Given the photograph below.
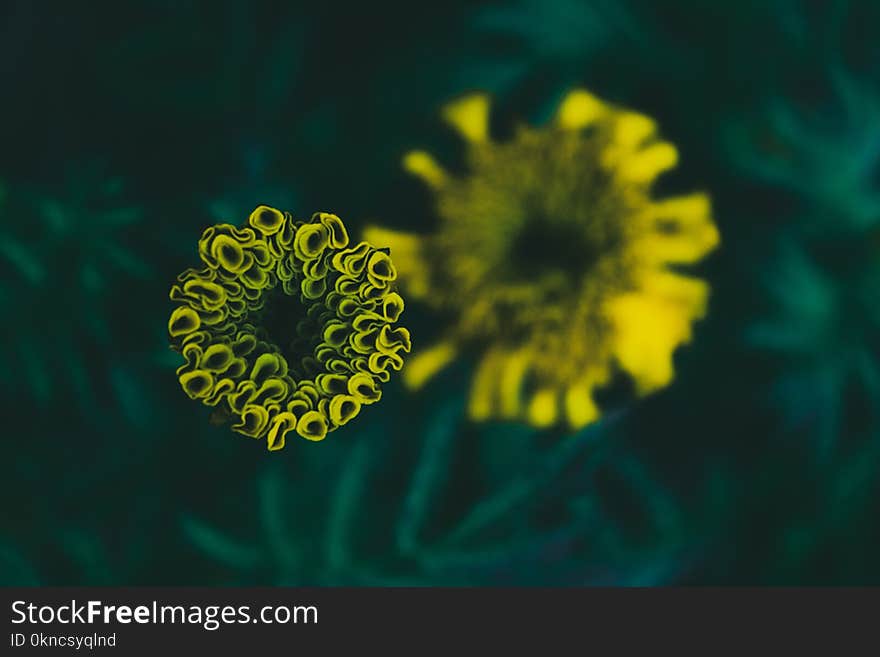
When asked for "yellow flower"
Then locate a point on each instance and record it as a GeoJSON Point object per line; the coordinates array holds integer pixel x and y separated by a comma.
{"type": "Point", "coordinates": [286, 327]}
{"type": "Point", "coordinates": [555, 260]}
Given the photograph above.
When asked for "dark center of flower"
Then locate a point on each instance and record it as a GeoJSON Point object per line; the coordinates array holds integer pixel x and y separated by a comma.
{"type": "Point", "coordinates": [544, 246]}
{"type": "Point", "coordinates": [285, 322]}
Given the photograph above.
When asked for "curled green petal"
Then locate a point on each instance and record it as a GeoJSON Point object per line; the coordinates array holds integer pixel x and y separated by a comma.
{"type": "Point", "coordinates": [391, 340]}
{"type": "Point", "coordinates": [272, 391]}
{"type": "Point", "coordinates": [338, 234]}
{"type": "Point", "coordinates": [209, 295]}
{"type": "Point", "coordinates": [220, 391]}
{"type": "Point", "coordinates": [364, 388]}
{"type": "Point", "coordinates": [352, 261]}
{"type": "Point", "coordinates": [197, 384]}
{"type": "Point", "coordinates": [298, 407]}
{"type": "Point", "coordinates": [245, 391]}
{"type": "Point", "coordinates": [255, 277]}
{"type": "Point", "coordinates": [310, 240]}
{"type": "Point", "coordinates": [183, 321]}
{"type": "Point", "coordinates": [392, 307]}
{"type": "Point", "coordinates": [317, 268]}
{"type": "Point", "coordinates": [282, 424]}
{"type": "Point", "coordinates": [192, 353]}
{"type": "Point", "coordinates": [343, 408]}
{"type": "Point", "coordinates": [217, 357]}
{"type": "Point", "coordinates": [336, 333]}
{"type": "Point", "coordinates": [312, 426]}
{"type": "Point", "coordinates": [332, 384]}
{"type": "Point", "coordinates": [313, 288]}
{"type": "Point", "coordinates": [228, 253]}
{"type": "Point", "coordinates": [380, 267]}
{"type": "Point", "coordinates": [348, 286]}
{"type": "Point", "coordinates": [266, 220]}
{"type": "Point", "coordinates": [265, 366]}
{"type": "Point", "coordinates": [244, 344]}
{"type": "Point", "coordinates": [254, 420]}
{"type": "Point", "coordinates": [309, 390]}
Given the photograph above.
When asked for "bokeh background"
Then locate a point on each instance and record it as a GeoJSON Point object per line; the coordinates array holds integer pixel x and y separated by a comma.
{"type": "Point", "coordinates": [127, 128]}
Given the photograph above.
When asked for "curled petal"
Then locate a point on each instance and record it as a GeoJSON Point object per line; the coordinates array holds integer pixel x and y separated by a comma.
{"type": "Point", "coordinates": [220, 391]}
{"type": "Point", "coordinates": [253, 420]}
{"type": "Point", "coordinates": [352, 261]}
{"type": "Point", "coordinates": [210, 295]}
{"type": "Point", "coordinates": [312, 426]}
{"type": "Point", "coordinates": [183, 321]}
{"type": "Point", "coordinates": [282, 424]}
{"type": "Point", "coordinates": [364, 387]}
{"type": "Point", "coordinates": [245, 391]}
{"type": "Point", "coordinates": [229, 254]}
{"type": "Point", "coordinates": [392, 307]}
{"type": "Point", "coordinates": [343, 408]}
{"type": "Point", "coordinates": [197, 384]}
{"type": "Point", "coordinates": [217, 357]}
{"type": "Point", "coordinates": [272, 390]}
{"type": "Point", "coordinates": [380, 267]}
{"type": "Point", "coordinates": [310, 241]}
{"type": "Point", "coordinates": [334, 225]}
{"type": "Point", "coordinates": [336, 333]}
{"type": "Point", "coordinates": [391, 340]}
{"type": "Point", "coordinates": [314, 288]}
{"type": "Point", "coordinates": [265, 366]}
{"type": "Point", "coordinates": [266, 220]}
{"type": "Point", "coordinates": [332, 384]}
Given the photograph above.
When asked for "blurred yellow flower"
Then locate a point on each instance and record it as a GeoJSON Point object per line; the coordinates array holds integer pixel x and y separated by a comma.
{"type": "Point", "coordinates": [555, 260]}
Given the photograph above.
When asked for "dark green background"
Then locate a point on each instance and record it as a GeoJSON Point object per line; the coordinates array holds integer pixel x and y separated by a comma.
{"type": "Point", "coordinates": [127, 128]}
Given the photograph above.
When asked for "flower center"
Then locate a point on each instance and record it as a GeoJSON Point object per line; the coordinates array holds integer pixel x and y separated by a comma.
{"type": "Point", "coordinates": [562, 249]}
{"type": "Point", "coordinates": [285, 322]}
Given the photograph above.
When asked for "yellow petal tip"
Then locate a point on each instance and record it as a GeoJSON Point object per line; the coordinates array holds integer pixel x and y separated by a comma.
{"type": "Point", "coordinates": [469, 115]}
{"type": "Point", "coordinates": [424, 166]}
{"type": "Point", "coordinates": [543, 408]}
{"type": "Point", "coordinates": [579, 109]}
{"type": "Point", "coordinates": [425, 365]}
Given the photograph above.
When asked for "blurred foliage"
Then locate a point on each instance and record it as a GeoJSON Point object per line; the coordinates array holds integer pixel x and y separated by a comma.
{"type": "Point", "coordinates": [63, 258]}
{"type": "Point", "coordinates": [461, 507]}
{"type": "Point", "coordinates": [759, 465]}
